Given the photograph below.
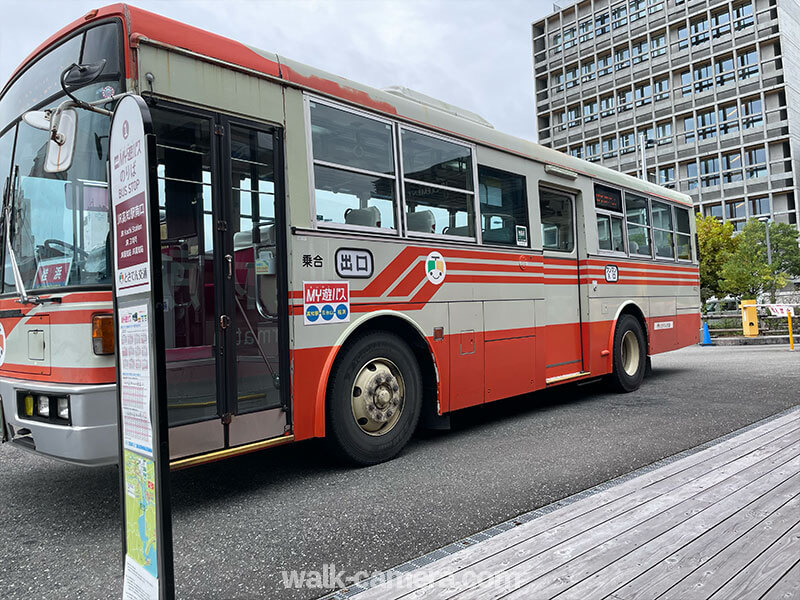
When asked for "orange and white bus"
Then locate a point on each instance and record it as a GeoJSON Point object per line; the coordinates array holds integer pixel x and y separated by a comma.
{"type": "Point", "coordinates": [338, 261]}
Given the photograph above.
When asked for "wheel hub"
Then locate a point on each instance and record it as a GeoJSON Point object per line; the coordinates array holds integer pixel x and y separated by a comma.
{"type": "Point", "coordinates": [377, 399]}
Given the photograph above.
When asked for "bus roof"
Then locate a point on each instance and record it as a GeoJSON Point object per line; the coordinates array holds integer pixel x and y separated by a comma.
{"type": "Point", "coordinates": [142, 25]}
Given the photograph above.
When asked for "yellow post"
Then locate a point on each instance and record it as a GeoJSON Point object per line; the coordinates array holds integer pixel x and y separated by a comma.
{"type": "Point", "coordinates": [749, 318]}
{"type": "Point", "coordinates": [791, 337]}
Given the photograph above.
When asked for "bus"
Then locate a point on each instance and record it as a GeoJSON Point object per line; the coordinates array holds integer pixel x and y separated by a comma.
{"type": "Point", "coordinates": [338, 261]}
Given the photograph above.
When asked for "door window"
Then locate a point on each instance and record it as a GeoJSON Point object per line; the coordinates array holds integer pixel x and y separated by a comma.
{"type": "Point", "coordinates": [558, 229]}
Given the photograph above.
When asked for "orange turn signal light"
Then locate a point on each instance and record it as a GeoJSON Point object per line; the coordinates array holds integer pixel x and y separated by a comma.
{"type": "Point", "coordinates": [103, 334]}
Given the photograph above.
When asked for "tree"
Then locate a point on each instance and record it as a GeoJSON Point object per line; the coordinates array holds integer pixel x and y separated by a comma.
{"type": "Point", "coordinates": [748, 273]}
{"type": "Point", "coordinates": [715, 245]}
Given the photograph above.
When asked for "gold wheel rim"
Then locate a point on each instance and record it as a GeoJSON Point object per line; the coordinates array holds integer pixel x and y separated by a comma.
{"type": "Point", "coordinates": [378, 397]}
{"type": "Point", "coordinates": [630, 353]}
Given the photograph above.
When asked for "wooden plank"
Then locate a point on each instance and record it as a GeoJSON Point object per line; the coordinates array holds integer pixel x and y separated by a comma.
{"type": "Point", "coordinates": [601, 570]}
{"type": "Point", "coordinates": [788, 588]}
{"type": "Point", "coordinates": [765, 570]}
{"type": "Point", "coordinates": [553, 573]}
{"type": "Point", "coordinates": [656, 573]}
{"type": "Point", "coordinates": [601, 506]}
{"type": "Point", "coordinates": [709, 577]}
{"type": "Point", "coordinates": [541, 555]}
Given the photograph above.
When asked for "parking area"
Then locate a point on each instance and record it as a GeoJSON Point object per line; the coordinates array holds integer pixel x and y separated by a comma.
{"type": "Point", "coordinates": [239, 525]}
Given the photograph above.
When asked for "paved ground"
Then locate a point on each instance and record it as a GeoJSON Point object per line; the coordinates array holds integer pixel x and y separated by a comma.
{"type": "Point", "coordinates": [239, 523]}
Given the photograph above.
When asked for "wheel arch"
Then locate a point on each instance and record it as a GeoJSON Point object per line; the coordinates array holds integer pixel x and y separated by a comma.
{"type": "Point", "coordinates": [382, 320]}
{"type": "Point", "coordinates": [629, 308]}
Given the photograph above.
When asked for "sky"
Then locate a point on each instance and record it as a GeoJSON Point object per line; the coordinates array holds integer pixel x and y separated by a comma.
{"type": "Point", "coordinates": [475, 54]}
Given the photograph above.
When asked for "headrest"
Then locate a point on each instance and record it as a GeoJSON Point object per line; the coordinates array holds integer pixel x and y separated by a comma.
{"type": "Point", "coordinates": [367, 217]}
{"type": "Point", "coordinates": [421, 220]}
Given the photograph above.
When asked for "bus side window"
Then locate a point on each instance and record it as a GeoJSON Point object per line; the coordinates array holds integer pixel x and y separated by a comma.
{"type": "Point", "coordinates": [683, 236]}
{"type": "Point", "coordinates": [438, 185]}
{"type": "Point", "coordinates": [638, 224]}
{"type": "Point", "coordinates": [609, 233]}
{"type": "Point", "coordinates": [503, 207]}
{"type": "Point", "coordinates": [557, 221]}
{"type": "Point", "coordinates": [354, 178]}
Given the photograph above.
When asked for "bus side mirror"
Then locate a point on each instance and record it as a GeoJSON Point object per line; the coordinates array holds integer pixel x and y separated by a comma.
{"type": "Point", "coordinates": [61, 147]}
{"type": "Point", "coordinates": [62, 125]}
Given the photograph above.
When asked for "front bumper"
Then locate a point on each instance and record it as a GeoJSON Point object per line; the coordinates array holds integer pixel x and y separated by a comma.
{"type": "Point", "coordinates": [91, 439]}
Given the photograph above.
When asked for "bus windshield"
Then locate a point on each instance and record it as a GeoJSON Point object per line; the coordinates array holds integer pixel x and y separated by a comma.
{"type": "Point", "coordinates": [59, 228]}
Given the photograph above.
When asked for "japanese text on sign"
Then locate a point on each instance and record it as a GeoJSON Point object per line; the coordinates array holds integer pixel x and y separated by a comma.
{"type": "Point", "coordinates": [781, 310]}
{"type": "Point", "coordinates": [326, 302]}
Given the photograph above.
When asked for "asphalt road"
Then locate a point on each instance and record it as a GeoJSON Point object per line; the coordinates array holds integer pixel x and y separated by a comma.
{"type": "Point", "coordinates": [239, 523]}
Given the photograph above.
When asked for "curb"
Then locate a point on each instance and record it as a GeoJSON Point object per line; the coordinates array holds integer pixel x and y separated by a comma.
{"type": "Point", "coordinates": [762, 340]}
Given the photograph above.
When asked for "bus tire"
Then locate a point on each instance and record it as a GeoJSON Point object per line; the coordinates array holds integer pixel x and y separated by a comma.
{"type": "Point", "coordinates": [630, 355]}
{"type": "Point", "coordinates": [374, 399]}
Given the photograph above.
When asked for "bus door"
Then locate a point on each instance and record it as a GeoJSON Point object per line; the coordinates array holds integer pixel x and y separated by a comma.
{"type": "Point", "coordinates": [563, 345]}
{"type": "Point", "coordinates": [222, 276]}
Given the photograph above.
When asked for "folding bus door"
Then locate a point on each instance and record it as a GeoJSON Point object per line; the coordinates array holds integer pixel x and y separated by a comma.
{"type": "Point", "coordinates": [562, 318]}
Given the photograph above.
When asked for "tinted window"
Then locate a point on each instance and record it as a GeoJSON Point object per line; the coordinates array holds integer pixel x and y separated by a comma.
{"type": "Point", "coordinates": [557, 221]}
{"type": "Point", "coordinates": [638, 224]}
{"type": "Point", "coordinates": [354, 179]}
{"type": "Point", "coordinates": [431, 160]}
{"type": "Point", "coordinates": [503, 207]}
{"type": "Point", "coordinates": [103, 43]}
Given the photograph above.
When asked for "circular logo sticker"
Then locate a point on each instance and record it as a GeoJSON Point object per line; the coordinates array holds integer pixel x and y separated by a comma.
{"type": "Point", "coordinates": [312, 313]}
{"type": "Point", "coordinates": [327, 312]}
{"type": "Point", "coordinates": [2, 344]}
{"type": "Point", "coordinates": [341, 311]}
{"type": "Point", "coordinates": [435, 268]}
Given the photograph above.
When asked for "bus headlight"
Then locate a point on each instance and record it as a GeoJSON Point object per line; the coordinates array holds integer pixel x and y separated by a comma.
{"type": "Point", "coordinates": [63, 408]}
{"type": "Point", "coordinates": [103, 334]}
{"type": "Point", "coordinates": [43, 406]}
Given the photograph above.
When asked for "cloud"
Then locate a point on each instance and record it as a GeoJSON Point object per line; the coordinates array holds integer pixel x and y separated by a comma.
{"type": "Point", "coordinates": [472, 53]}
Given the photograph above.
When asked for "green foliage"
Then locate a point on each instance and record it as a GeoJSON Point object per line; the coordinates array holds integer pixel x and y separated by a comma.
{"type": "Point", "coordinates": [747, 273]}
{"type": "Point", "coordinates": [715, 245]}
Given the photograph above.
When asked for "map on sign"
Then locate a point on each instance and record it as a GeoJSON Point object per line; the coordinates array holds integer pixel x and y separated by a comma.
{"type": "Point", "coordinates": [140, 511]}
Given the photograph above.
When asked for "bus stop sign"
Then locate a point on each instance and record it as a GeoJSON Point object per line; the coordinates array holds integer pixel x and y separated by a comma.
{"type": "Point", "coordinates": [141, 397]}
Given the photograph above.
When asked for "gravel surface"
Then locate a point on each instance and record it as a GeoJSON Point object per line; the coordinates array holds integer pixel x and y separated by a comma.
{"type": "Point", "coordinates": [239, 523]}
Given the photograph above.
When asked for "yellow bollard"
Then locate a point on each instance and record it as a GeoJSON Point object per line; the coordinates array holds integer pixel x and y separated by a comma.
{"type": "Point", "coordinates": [791, 337]}
{"type": "Point", "coordinates": [749, 318]}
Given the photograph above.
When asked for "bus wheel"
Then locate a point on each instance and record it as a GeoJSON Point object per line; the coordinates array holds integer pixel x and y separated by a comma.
{"type": "Point", "coordinates": [630, 355]}
{"type": "Point", "coordinates": [374, 399]}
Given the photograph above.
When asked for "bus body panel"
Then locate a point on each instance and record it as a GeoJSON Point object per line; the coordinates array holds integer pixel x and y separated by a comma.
{"type": "Point", "coordinates": [494, 328]}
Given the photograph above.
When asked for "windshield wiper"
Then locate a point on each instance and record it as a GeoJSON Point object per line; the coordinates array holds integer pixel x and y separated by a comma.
{"type": "Point", "coordinates": [11, 194]}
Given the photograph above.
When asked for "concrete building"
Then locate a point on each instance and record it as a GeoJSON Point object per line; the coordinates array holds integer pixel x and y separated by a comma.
{"type": "Point", "coordinates": [713, 86]}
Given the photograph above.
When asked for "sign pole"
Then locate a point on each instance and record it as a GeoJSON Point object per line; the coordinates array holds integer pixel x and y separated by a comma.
{"type": "Point", "coordinates": [141, 371]}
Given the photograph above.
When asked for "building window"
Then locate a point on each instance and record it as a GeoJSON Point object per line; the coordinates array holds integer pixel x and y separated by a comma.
{"type": "Point", "coordinates": [644, 94]}
{"type": "Point", "coordinates": [606, 106]}
{"type": "Point", "coordinates": [637, 10]}
{"type": "Point", "coordinates": [609, 147]}
{"type": "Point", "coordinates": [713, 210]}
{"type": "Point", "coordinates": [692, 182]}
{"type": "Point", "coordinates": [683, 37]}
{"type": "Point", "coordinates": [686, 83]}
{"type": "Point", "coordinates": [590, 111]}
{"type": "Point", "coordinates": [658, 44]}
{"type": "Point", "coordinates": [751, 113]}
{"type": "Point", "coordinates": [688, 128]}
{"type": "Point", "coordinates": [569, 38]}
{"type": "Point", "coordinates": [666, 176]}
{"type": "Point", "coordinates": [438, 185]}
{"type": "Point", "coordinates": [640, 51]}
{"type": "Point", "coordinates": [576, 151]}
{"type": "Point", "coordinates": [587, 69]}
{"type": "Point", "coordinates": [743, 15]}
{"type": "Point", "coordinates": [706, 128]}
{"type": "Point", "coordinates": [503, 205]}
{"type": "Point", "coordinates": [626, 142]}
{"type": "Point", "coordinates": [592, 151]}
{"type": "Point", "coordinates": [574, 116]}
{"type": "Point", "coordinates": [709, 169]}
{"type": "Point", "coordinates": [661, 89]}
{"type": "Point", "coordinates": [728, 119]}
{"type": "Point", "coordinates": [720, 23]}
{"type": "Point", "coordinates": [655, 6]}
{"type": "Point", "coordinates": [622, 58]}
{"type": "Point", "coordinates": [732, 167]}
{"type": "Point", "coordinates": [759, 206]}
{"type": "Point", "coordinates": [624, 100]}
{"type": "Point", "coordinates": [638, 219]}
{"type": "Point", "coordinates": [702, 78]}
{"type": "Point", "coordinates": [756, 161]}
{"type": "Point", "coordinates": [619, 16]}
{"type": "Point", "coordinates": [354, 178]}
{"type": "Point", "coordinates": [748, 64]}
{"type": "Point", "coordinates": [558, 82]}
{"type": "Point", "coordinates": [585, 31]}
{"type": "Point", "coordinates": [725, 71]}
{"type": "Point", "coordinates": [604, 65]}
{"type": "Point", "coordinates": [699, 29]}
{"type": "Point", "coordinates": [572, 76]}
{"type": "Point", "coordinates": [601, 24]}
{"type": "Point", "coordinates": [664, 133]}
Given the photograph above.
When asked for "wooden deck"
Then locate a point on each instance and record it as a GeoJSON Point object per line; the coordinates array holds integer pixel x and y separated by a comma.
{"type": "Point", "coordinates": [722, 523]}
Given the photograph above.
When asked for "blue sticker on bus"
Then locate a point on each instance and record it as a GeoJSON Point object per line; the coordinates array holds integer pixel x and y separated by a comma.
{"type": "Point", "coordinates": [342, 311]}
{"type": "Point", "coordinates": [327, 312]}
{"type": "Point", "coordinates": [312, 313]}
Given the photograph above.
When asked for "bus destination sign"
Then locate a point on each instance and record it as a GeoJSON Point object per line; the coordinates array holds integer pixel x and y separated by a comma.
{"type": "Point", "coordinates": [607, 198]}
